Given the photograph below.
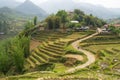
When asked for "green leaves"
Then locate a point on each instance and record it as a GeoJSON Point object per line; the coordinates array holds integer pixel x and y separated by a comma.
{"type": "Point", "coordinates": [53, 22]}
{"type": "Point", "coordinates": [115, 30]}
{"type": "Point", "coordinates": [35, 20]}
{"type": "Point", "coordinates": [63, 16]}
{"type": "Point", "coordinates": [13, 53]}
{"type": "Point", "coordinates": [5, 63]}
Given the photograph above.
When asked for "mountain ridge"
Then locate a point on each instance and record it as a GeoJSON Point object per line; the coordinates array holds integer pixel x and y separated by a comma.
{"type": "Point", "coordinates": [96, 10]}
{"type": "Point", "coordinates": [29, 7]}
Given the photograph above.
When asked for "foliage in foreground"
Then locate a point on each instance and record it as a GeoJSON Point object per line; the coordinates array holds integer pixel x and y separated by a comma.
{"type": "Point", "coordinates": [12, 54]}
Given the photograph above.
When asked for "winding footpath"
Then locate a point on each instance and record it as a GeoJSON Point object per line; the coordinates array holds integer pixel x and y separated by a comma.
{"type": "Point", "coordinates": [90, 56]}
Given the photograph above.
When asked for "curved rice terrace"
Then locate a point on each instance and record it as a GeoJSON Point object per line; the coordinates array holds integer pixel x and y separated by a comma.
{"type": "Point", "coordinates": [55, 48]}
{"type": "Point", "coordinates": [51, 47]}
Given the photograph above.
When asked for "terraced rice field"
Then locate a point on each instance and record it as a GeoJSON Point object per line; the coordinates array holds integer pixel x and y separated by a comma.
{"type": "Point", "coordinates": [51, 47]}
{"type": "Point", "coordinates": [107, 51]}
{"type": "Point", "coordinates": [48, 36]}
{"type": "Point", "coordinates": [46, 54]}
{"type": "Point", "coordinates": [106, 67]}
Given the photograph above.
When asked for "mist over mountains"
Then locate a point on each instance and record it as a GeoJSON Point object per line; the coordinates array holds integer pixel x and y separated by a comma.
{"type": "Point", "coordinates": [52, 6]}
{"type": "Point", "coordinates": [97, 10]}
{"type": "Point", "coordinates": [25, 9]}
{"type": "Point", "coordinates": [9, 3]}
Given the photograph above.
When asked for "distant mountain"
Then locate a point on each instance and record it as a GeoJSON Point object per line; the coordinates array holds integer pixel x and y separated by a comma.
{"type": "Point", "coordinates": [11, 12]}
{"type": "Point", "coordinates": [52, 6]}
{"type": "Point", "coordinates": [9, 3]}
{"type": "Point", "coordinates": [30, 8]}
{"type": "Point", "coordinates": [97, 10]}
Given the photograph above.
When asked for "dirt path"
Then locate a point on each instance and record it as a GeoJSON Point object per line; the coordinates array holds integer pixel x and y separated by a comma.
{"type": "Point", "coordinates": [90, 56]}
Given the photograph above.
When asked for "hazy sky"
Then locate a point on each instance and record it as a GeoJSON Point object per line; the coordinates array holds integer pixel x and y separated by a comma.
{"type": "Point", "coordinates": [106, 3]}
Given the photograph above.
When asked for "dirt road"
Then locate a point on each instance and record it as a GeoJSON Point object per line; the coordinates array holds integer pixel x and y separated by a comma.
{"type": "Point", "coordinates": [90, 56]}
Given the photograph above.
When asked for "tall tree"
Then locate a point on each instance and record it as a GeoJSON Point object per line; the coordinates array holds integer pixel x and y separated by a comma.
{"type": "Point", "coordinates": [53, 22]}
{"type": "Point", "coordinates": [78, 12]}
{"type": "Point", "coordinates": [35, 20]}
{"type": "Point", "coordinates": [63, 16]}
{"type": "Point", "coordinates": [49, 22]}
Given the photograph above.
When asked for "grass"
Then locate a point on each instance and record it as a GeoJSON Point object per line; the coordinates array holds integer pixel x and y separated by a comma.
{"type": "Point", "coordinates": [60, 68]}
{"type": "Point", "coordinates": [96, 48]}
{"type": "Point", "coordinates": [100, 42]}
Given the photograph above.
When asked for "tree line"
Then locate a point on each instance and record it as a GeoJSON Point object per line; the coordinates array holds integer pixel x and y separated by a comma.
{"type": "Point", "coordinates": [62, 20]}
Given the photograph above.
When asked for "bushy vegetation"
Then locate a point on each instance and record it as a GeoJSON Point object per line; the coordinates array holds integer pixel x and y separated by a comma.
{"type": "Point", "coordinates": [115, 30]}
{"type": "Point", "coordinates": [46, 67]}
{"type": "Point", "coordinates": [86, 20]}
{"type": "Point", "coordinates": [13, 53]}
{"type": "Point", "coordinates": [53, 22]}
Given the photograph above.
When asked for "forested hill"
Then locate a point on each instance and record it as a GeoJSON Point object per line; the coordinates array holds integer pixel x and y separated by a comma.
{"type": "Point", "coordinates": [65, 18]}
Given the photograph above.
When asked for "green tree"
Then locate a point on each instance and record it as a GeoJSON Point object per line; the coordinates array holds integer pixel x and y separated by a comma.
{"type": "Point", "coordinates": [56, 22]}
{"type": "Point", "coordinates": [25, 44]}
{"type": "Point", "coordinates": [53, 22]}
{"type": "Point", "coordinates": [78, 12]}
{"type": "Point", "coordinates": [5, 59]}
{"type": "Point", "coordinates": [63, 16]}
{"type": "Point", "coordinates": [18, 57]}
{"type": "Point", "coordinates": [115, 30]}
{"type": "Point", "coordinates": [49, 22]}
{"type": "Point", "coordinates": [5, 56]}
{"type": "Point", "coordinates": [28, 25]}
{"type": "Point", "coordinates": [70, 25]}
{"type": "Point", "coordinates": [35, 20]}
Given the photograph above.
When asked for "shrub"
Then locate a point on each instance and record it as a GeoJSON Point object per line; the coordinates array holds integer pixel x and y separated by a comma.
{"type": "Point", "coordinates": [12, 54]}
{"type": "Point", "coordinates": [5, 63]}
{"type": "Point", "coordinates": [63, 59]}
{"type": "Point", "coordinates": [5, 59]}
{"type": "Point", "coordinates": [25, 44]}
{"type": "Point", "coordinates": [46, 67]}
{"type": "Point", "coordinates": [74, 52]}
